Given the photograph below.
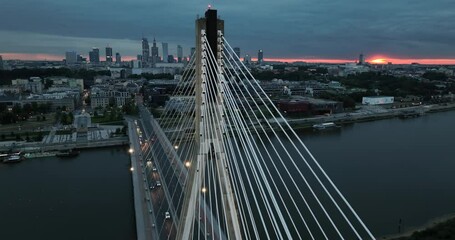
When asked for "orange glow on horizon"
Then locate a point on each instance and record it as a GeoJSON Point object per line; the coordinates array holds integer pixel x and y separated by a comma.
{"type": "Point", "coordinates": [379, 61]}
{"type": "Point", "coordinates": [373, 60]}
{"type": "Point", "coordinates": [31, 56]}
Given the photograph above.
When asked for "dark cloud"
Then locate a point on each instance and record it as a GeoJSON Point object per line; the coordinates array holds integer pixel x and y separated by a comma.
{"type": "Point", "coordinates": [289, 28]}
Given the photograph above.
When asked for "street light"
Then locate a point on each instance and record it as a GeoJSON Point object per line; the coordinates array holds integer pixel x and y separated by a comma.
{"type": "Point", "coordinates": [132, 169]}
{"type": "Point", "coordinates": [187, 164]}
{"type": "Point", "coordinates": [204, 189]}
{"type": "Point", "coordinates": [176, 147]}
{"type": "Point", "coordinates": [131, 150]}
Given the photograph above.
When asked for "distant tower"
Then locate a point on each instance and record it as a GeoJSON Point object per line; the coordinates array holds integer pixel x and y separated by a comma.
{"type": "Point", "coordinates": [154, 52]}
{"type": "Point", "coordinates": [237, 51]}
{"type": "Point", "coordinates": [247, 59]}
{"type": "Point", "coordinates": [71, 57]}
{"type": "Point", "coordinates": [361, 59]}
{"type": "Point", "coordinates": [108, 54]}
{"type": "Point", "coordinates": [94, 55]}
{"type": "Point", "coordinates": [179, 53]}
{"type": "Point", "coordinates": [1, 62]}
{"type": "Point", "coordinates": [118, 58]}
{"type": "Point", "coordinates": [260, 56]}
{"type": "Point", "coordinates": [165, 51]}
{"type": "Point", "coordinates": [145, 51]}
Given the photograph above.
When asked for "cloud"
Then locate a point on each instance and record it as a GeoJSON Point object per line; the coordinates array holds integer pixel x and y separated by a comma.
{"type": "Point", "coordinates": [288, 28]}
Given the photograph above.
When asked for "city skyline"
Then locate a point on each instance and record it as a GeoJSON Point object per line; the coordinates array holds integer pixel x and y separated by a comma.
{"type": "Point", "coordinates": [301, 30]}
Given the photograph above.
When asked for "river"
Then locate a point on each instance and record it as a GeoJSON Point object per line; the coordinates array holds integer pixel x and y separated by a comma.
{"type": "Point", "coordinates": [87, 197]}
{"type": "Point", "coordinates": [389, 170]}
{"type": "Point", "coordinates": [392, 169]}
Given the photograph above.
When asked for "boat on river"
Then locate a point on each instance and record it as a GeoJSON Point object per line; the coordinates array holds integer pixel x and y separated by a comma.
{"type": "Point", "coordinates": [325, 126]}
{"type": "Point", "coordinates": [67, 153]}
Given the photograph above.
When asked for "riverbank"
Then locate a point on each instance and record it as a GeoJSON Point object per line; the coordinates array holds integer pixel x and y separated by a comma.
{"type": "Point", "coordinates": [431, 228]}
{"type": "Point", "coordinates": [366, 114]}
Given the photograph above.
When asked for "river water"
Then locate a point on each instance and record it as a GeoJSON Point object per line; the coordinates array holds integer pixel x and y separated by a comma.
{"type": "Point", "coordinates": [392, 169]}
{"type": "Point", "coordinates": [388, 170]}
{"type": "Point", "coordinates": [87, 197]}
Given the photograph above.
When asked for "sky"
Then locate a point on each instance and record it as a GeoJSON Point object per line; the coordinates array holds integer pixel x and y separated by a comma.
{"type": "Point", "coordinates": [395, 30]}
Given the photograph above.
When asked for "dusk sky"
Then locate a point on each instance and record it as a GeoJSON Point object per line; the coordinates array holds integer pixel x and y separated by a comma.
{"type": "Point", "coordinates": [318, 29]}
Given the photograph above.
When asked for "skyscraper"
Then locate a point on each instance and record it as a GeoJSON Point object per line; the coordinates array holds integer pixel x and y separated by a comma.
{"type": "Point", "coordinates": [179, 53]}
{"type": "Point", "coordinates": [1, 62]}
{"type": "Point", "coordinates": [165, 52]}
{"type": "Point", "coordinates": [71, 57]}
{"type": "Point", "coordinates": [145, 51]}
{"type": "Point", "coordinates": [154, 52]}
{"type": "Point", "coordinates": [237, 51]}
{"type": "Point", "coordinates": [260, 56]}
{"type": "Point", "coordinates": [94, 55]}
{"type": "Point", "coordinates": [361, 59]}
{"type": "Point", "coordinates": [108, 54]}
{"type": "Point", "coordinates": [247, 59]}
{"type": "Point", "coordinates": [118, 58]}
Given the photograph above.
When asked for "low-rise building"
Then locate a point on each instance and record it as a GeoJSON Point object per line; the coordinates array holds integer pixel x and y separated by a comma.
{"type": "Point", "coordinates": [377, 100]}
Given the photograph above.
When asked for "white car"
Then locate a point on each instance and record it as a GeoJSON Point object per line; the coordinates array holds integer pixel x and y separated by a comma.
{"type": "Point", "coordinates": [167, 215]}
{"type": "Point", "coordinates": [158, 183]}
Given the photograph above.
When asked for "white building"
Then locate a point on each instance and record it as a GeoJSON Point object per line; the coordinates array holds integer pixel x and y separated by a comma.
{"type": "Point", "coordinates": [82, 121]}
{"type": "Point", "coordinates": [377, 100]}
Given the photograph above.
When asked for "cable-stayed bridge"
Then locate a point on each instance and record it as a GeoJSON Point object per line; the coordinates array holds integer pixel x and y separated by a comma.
{"type": "Point", "coordinates": [221, 162]}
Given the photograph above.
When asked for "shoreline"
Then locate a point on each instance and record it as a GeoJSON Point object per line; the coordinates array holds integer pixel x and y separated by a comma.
{"type": "Point", "coordinates": [432, 222]}
{"type": "Point", "coordinates": [366, 114]}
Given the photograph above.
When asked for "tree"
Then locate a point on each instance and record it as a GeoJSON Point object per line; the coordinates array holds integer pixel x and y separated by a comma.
{"type": "Point", "coordinates": [38, 118]}
{"type": "Point", "coordinates": [39, 137]}
{"type": "Point", "coordinates": [70, 117]}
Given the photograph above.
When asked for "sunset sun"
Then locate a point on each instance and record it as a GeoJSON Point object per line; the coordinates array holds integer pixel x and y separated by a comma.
{"type": "Point", "coordinates": [379, 61]}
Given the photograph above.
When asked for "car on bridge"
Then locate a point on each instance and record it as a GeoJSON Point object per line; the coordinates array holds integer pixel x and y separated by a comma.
{"type": "Point", "coordinates": [158, 183]}
{"type": "Point", "coordinates": [167, 215]}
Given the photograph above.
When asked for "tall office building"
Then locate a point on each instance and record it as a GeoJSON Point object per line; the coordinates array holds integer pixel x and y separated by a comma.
{"type": "Point", "coordinates": [165, 52]}
{"type": "Point", "coordinates": [154, 52]}
{"type": "Point", "coordinates": [145, 51]}
{"type": "Point", "coordinates": [260, 56]}
{"type": "Point", "coordinates": [71, 57]}
{"type": "Point", "coordinates": [247, 59]}
{"type": "Point", "coordinates": [361, 59]}
{"type": "Point", "coordinates": [237, 51]}
{"type": "Point", "coordinates": [94, 55]}
{"type": "Point", "coordinates": [118, 58]}
{"type": "Point", "coordinates": [108, 54]}
{"type": "Point", "coordinates": [179, 53]}
{"type": "Point", "coordinates": [1, 62]}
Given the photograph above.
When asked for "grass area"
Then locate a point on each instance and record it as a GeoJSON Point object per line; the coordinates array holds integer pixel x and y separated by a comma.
{"type": "Point", "coordinates": [22, 136]}
{"type": "Point", "coordinates": [64, 132]}
{"type": "Point", "coordinates": [30, 125]}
